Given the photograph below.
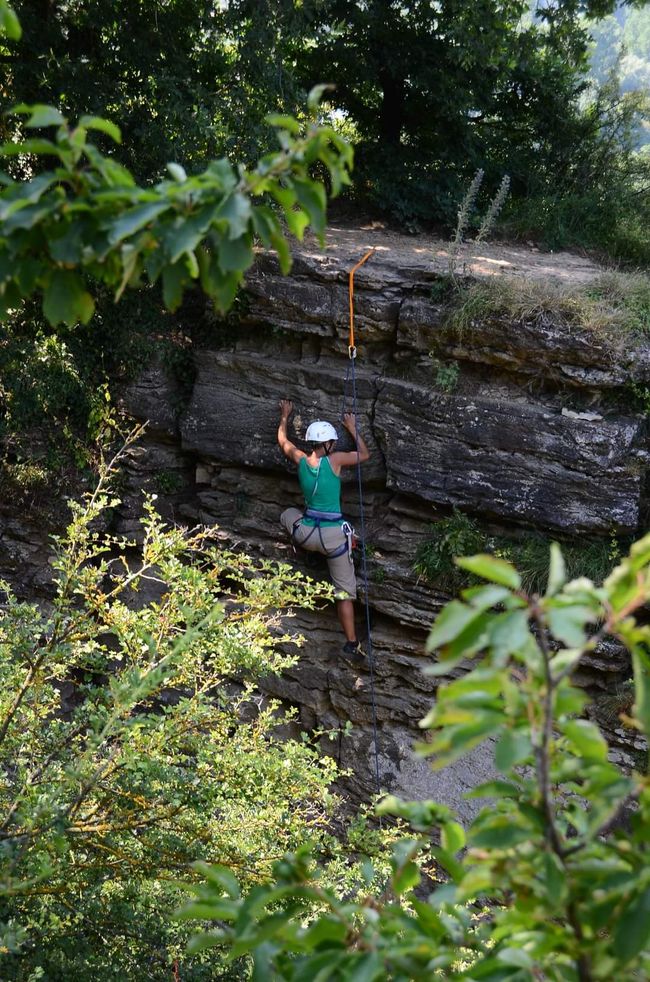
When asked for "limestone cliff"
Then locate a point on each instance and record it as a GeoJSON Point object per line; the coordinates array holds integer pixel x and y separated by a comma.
{"type": "Point", "coordinates": [527, 430]}
{"type": "Point", "coordinates": [531, 435]}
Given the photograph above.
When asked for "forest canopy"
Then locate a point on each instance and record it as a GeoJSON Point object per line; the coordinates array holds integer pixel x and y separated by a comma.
{"type": "Point", "coordinates": [429, 92]}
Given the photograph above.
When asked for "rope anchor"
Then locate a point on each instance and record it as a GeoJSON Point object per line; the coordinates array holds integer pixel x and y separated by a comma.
{"type": "Point", "coordinates": [351, 347]}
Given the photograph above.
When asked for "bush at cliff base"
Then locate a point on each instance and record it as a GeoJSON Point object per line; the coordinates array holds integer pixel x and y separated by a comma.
{"type": "Point", "coordinates": [133, 742]}
{"type": "Point", "coordinates": [552, 879]}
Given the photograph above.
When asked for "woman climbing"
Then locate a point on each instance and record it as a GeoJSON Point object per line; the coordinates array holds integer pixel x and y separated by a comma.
{"type": "Point", "coordinates": [321, 527]}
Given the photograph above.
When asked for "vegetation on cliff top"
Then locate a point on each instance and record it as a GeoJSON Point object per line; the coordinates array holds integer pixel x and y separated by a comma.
{"type": "Point", "coordinates": [427, 92]}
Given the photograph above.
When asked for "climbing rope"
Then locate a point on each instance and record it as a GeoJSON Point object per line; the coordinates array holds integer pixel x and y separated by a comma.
{"type": "Point", "coordinates": [351, 376]}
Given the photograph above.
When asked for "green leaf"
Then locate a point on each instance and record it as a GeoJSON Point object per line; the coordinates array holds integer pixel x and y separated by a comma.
{"type": "Point", "coordinates": [134, 219]}
{"type": "Point", "coordinates": [484, 597]}
{"type": "Point", "coordinates": [30, 215]}
{"type": "Point", "coordinates": [28, 275]}
{"type": "Point", "coordinates": [68, 246]}
{"type": "Point", "coordinates": [265, 224]}
{"type": "Point", "coordinates": [513, 747]}
{"type": "Point", "coordinates": [319, 967]}
{"type": "Point", "coordinates": [325, 929]}
{"type": "Point", "coordinates": [554, 878]}
{"type": "Point", "coordinates": [450, 622]}
{"type": "Point", "coordinates": [205, 941]}
{"type": "Point", "coordinates": [222, 287]}
{"type": "Point", "coordinates": [498, 833]}
{"type": "Point", "coordinates": [284, 122]}
{"type": "Point", "coordinates": [569, 700]}
{"type": "Point", "coordinates": [174, 278]}
{"type": "Point", "coordinates": [452, 837]}
{"type": "Point", "coordinates": [222, 174]}
{"type": "Point", "coordinates": [508, 633]}
{"type": "Point", "coordinates": [236, 210]}
{"type": "Point", "coordinates": [405, 878]}
{"type": "Point", "coordinates": [567, 623]}
{"type": "Point", "coordinates": [184, 234]}
{"type": "Point", "coordinates": [9, 23]}
{"type": "Point", "coordinates": [586, 739]}
{"type": "Point", "coordinates": [39, 115]}
{"type": "Point", "coordinates": [364, 968]}
{"type": "Point", "coordinates": [556, 571]}
{"type": "Point", "coordinates": [515, 956]}
{"type": "Point", "coordinates": [311, 196]}
{"type": "Point", "coordinates": [33, 145]}
{"type": "Point", "coordinates": [177, 172]}
{"type": "Point", "coordinates": [115, 175]}
{"type": "Point", "coordinates": [281, 246]}
{"type": "Point", "coordinates": [102, 125]}
{"type": "Point", "coordinates": [632, 929]}
{"type": "Point", "coordinates": [641, 668]}
{"type": "Point", "coordinates": [222, 877]}
{"type": "Point", "coordinates": [495, 789]}
{"type": "Point", "coordinates": [453, 741]}
{"type": "Point", "coordinates": [566, 658]}
{"type": "Point", "coordinates": [491, 568]}
{"type": "Point", "coordinates": [428, 918]}
{"type": "Point", "coordinates": [298, 222]}
{"type": "Point", "coordinates": [66, 300]}
{"type": "Point", "coordinates": [449, 863]}
{"type": "Point", "coordinates": [236, 255]}
{"type": "Point", "coordinates": [315, 96]}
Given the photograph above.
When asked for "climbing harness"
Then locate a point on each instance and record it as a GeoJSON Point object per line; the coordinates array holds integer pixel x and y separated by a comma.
{"type": "Point", "coordinates": [350, 376]}
{"type": "Point", "coordinates": [318, 517]}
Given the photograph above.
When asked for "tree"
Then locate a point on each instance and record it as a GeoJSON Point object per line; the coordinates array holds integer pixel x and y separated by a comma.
{"type": "Point", "coordinates": [86, 221]}
{"type": "Point", "coordinates": [133, 741]}
{"type": "Point", "coordinates": [439, 90]}
{"type": "Point", "coordinates": [552, 878]}
{"type": "Point", "coordinates": [217, 69]}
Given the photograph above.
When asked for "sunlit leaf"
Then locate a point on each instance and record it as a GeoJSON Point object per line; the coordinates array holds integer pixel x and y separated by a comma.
{"type": "Point", "coordinates": [491, 568]}
{"type": "Point", "coordinates": [65, 299]}
{"type": "Point", "coordinates": [102, 125]}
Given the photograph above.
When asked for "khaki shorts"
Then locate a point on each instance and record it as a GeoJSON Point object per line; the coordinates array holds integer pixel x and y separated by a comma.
{"type": "Point", "coordinates": [307, 537]}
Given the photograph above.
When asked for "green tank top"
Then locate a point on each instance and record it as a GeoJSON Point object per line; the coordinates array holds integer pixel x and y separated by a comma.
{"type": "Point", "coordinates": [328, 489]}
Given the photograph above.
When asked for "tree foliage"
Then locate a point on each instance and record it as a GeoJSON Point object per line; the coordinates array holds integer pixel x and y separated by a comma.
{"type": "Point", "coordinates": [551, 880]}
{"type": "Point", "coordinates": [133, 742]}
{"type": "Point", "coordinates": [86, 221]}
{"type": "Point", "coordinates": [431, 92]}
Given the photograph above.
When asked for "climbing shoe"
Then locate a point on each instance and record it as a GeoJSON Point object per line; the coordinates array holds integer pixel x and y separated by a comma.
{"type": "Point", "coordinates": [352, 651]}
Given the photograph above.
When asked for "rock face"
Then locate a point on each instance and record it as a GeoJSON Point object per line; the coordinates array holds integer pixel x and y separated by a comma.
{"type": "Point", "coordinates": [519, 430]}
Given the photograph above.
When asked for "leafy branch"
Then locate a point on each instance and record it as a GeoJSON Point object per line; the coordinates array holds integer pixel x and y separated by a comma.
{"type": "Point", "coordinates": [86, 222]}
{"type": "Point", "coordinates": [564, 891]}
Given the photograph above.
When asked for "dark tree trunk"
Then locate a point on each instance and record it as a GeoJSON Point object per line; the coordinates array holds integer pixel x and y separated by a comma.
{"type": "Point", "coordinates": [391, 117]}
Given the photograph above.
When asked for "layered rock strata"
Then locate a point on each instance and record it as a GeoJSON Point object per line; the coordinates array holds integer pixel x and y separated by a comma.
{"type": "Point", "coordinates": [525, 439]}
{"type": "Point", "coordinates": [525, 431]}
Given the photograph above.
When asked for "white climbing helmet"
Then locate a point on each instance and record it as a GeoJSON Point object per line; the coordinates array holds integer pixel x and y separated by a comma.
{"type": "Point", "coordinates": [320, 432]}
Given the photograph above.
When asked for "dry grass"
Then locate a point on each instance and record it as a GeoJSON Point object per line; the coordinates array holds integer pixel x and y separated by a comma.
{"type": "Point", "coordinates": [615, 304]}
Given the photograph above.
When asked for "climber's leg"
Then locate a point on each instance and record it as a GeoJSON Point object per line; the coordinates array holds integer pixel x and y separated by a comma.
{"type": "Point", "coordinates": [345, 612]}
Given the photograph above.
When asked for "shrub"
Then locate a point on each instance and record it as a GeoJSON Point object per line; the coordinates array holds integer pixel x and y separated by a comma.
{"type": "Point", "coordinates": [133, 741]}
{"type": "Point", "coordinates": [435, 558]}
{"type": "Point", "coordinates": [551, 880]}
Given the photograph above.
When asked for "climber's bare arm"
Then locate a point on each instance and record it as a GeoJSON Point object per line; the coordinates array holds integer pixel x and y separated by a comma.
{"type": "Point", "coordinates": [350, 458]}
{"type": "Point", "coordinates": [289, 449]}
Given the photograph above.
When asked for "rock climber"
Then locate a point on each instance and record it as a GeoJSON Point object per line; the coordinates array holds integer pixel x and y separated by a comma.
{"type": "Point", "coordinates": [321, 526]}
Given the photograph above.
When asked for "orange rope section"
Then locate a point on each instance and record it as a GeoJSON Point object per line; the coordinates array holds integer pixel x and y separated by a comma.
{"type": "Point", "coordinates": [352, 351]}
